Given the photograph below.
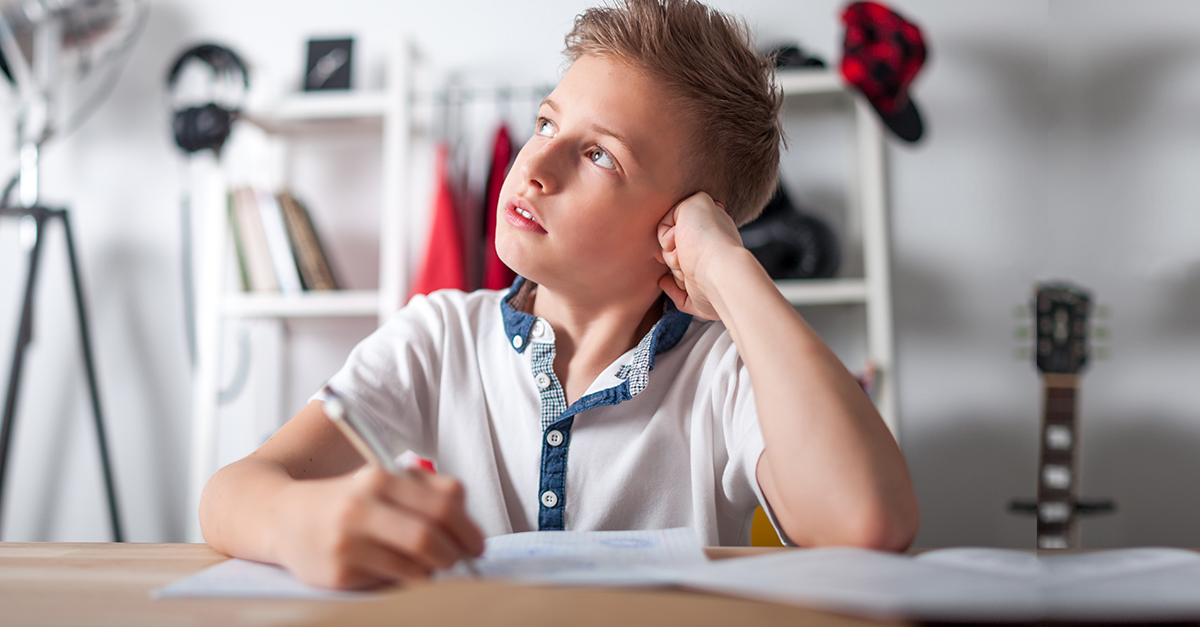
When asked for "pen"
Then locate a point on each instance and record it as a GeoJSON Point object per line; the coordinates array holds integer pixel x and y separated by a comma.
{"type": "Point", "coordinates": [369, 446]}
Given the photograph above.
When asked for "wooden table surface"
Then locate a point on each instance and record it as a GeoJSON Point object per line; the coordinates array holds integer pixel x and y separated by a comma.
{"type": "Point", "coordinates": [78, 584]}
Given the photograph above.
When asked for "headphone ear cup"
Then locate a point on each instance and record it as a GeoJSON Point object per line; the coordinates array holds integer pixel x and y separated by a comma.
{"type": "Point", "coordinates": [199, 128]}
{"type": "Point", "coordinates": [822, 255]}
{"type": "Point", "coordinates": [791, 245]}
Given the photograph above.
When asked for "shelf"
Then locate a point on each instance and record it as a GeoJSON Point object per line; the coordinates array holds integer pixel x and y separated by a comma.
{"type": "Point", "coordinates": [322, 112]}
{"type": "Point", "coordinates": [823, 291]}
{"type": "Point", "coordinates": [331, 304]}
{"type": "Point", "coordinates": [808, 82]}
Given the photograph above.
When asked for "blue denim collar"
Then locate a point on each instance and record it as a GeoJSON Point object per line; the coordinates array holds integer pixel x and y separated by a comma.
{"type": "Point", "coordinates": [664, 336]}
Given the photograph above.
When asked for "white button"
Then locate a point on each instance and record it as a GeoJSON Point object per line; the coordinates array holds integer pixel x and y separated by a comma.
{"type": "Point", "coordinates": [518, 342]}
{"type": "Point", "coordinates": [549, 498]}
{"type": "Point", "coordinates": [554, 438]}
{"type": "Point", "coordinates": [543, 381]}
{"type": "Point", "coordinates": [539, 328]}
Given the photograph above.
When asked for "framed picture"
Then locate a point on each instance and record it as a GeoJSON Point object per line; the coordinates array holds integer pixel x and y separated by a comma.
{"type": "Point", "coordinates": [328, 64]}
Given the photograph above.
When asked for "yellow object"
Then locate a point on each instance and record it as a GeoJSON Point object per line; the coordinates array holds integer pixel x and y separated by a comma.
{"type": "Point", "coordinates": [761, 531]}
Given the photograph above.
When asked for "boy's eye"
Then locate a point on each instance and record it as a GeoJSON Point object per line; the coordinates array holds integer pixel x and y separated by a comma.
{"type": "Point", "coordinates": [544, 127]}
{"type": "Point", "coordinates": [600, 157]}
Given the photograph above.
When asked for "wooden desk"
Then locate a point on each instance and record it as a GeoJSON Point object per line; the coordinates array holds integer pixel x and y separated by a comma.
{"type": "Point", "coordinates": [77, 584]}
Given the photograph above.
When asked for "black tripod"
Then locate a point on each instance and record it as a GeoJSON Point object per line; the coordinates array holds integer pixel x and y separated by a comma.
{"type": "Point", "coordinates": [41, 217]}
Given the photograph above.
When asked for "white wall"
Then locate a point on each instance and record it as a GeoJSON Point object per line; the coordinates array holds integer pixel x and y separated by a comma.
{"type": "Point", "coordinates": [1060, 140]}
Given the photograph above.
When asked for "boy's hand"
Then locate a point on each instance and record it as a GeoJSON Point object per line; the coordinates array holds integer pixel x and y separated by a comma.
{"type": "Point", "coordinates": [694, 235]}
{"type": "Point", "coordinates": [374, 528]}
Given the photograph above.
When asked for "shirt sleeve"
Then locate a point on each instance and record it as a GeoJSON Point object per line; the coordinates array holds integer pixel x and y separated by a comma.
{"type": "Point", "coordinates": [743, 437]}
{"type": "Point", "coordinates": [391, 378]}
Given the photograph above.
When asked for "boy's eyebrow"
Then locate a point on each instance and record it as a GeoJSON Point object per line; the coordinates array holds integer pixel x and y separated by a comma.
{"type": "Point", "coordinates": [603, 130]}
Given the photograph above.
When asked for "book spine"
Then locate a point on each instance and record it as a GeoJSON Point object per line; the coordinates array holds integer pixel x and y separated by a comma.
{"type": "Point", "coordinates": [294, 230]}
{"type": "Point", "coordinates": [260, 271]}
{"type": "Point", "coordinates": [310, 254]}
{"type": "Point", "coordinates": [277, 243]}
{"type": "Point", "coordinates": [239, 248]}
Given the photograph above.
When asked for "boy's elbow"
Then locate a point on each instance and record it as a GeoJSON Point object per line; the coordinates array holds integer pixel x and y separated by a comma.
{"type": "Point", "coordinates": [884, 524]}
{"type": "Point", "coordinates": [877, 526]}
{"type": "Point", "coordinates": [884, 528]}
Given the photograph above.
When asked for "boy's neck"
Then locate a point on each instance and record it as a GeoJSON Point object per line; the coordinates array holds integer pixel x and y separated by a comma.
{"type": "Point", "coordinates": [591, 333]}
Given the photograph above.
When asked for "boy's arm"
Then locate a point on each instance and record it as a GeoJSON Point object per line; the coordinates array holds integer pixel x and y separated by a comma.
{"type": "Point", "coordinates": [830, 469]}
{"type": "Point", "coordinates": [294, 502]}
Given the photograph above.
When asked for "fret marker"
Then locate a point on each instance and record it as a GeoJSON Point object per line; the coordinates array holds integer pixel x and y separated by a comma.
{"type": "Point", "coordinates": [1054, 511]}
{"type": "Point", "coordinates": [1058, 437]}
{"type": "Point", "coordinates": [1056, 476]}
{"type": "Point", "coordinates": [1052, 542]}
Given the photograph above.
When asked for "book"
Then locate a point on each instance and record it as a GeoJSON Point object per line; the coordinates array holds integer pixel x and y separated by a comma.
{"type": "Point", "coordinates": [239, 248]}
{"type": "Point", "coordinates": [278, 245]}
{"type": "Point", "coordinates": [311, 260]}
{"type": "Point", "coordinates": [251, 240]}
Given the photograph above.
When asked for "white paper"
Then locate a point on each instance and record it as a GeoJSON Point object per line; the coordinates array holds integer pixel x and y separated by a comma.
{"type": "Point", "coordinates": [557, 557]}
{"type": "Point", "coordinates": [237, 578]}
{"type": "Point", "coordinates": [969, 584]}
{"type": "Point", "coordinates": [869, 583]}
{"type": "Point", "coordinates": [646, 557]}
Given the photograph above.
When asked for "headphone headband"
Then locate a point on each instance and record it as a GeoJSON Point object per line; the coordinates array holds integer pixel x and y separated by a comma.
{"type": "Point", "coordinates": [221, 59]}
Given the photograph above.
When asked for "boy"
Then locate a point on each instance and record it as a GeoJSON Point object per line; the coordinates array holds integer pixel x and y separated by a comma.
{"type": "Point", "coordinates": [644, 371]}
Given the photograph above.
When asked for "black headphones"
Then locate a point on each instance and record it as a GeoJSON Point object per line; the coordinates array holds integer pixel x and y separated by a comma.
{"type": "Point", "coordinates": [208, 125]}
{"type": "Point", "coordinates": [790, 244]}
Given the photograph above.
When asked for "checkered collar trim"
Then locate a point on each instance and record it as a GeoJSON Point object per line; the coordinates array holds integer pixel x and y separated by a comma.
{"type": "Point", "coordinates": [663, 337]}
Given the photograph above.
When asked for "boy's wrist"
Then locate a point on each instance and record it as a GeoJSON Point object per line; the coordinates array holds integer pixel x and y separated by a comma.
{"type": "Point", "coordinates": [735, 265]}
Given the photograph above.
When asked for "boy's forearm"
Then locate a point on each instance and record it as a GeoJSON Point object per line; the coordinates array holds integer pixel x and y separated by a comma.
{"type": "Point", "coordinates": [239, 508]}
{"type": "Point", "coordinates": [831, 469]}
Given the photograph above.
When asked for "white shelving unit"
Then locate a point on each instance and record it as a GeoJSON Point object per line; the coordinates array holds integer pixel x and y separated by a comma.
{"type": "Point", "coordinates": [868, 200]}
{"type": "Point", "coordinates": [385, 113]}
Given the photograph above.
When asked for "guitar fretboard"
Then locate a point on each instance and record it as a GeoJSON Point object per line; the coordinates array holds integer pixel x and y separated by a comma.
{"type": "Point", "coordinates": [1057, 476]}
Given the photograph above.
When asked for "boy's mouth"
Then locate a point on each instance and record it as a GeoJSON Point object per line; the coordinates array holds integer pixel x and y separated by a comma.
{"type": "Point", "coordinates": [520, 214]}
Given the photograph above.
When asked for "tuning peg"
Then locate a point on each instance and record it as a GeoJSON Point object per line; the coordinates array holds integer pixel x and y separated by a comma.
{"type": "Point", "coordinates": [1101, 353]}
{"type": "Point", "coordinates": [1101, 333]}
{"type": "Point", "coordinates": [1103, 312]}
{"type": "Point", "coordinates": [1022, 332]}
{"type": "Point", "coordinates": [1022, 354]}
{"type": "Point", "coordinates": [1021, 311]}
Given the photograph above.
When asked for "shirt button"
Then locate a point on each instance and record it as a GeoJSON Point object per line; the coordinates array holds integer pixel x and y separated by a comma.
{"type": "Point", "coordinates": [554, 438]}
{"type": "Point", "coordinates": [518, 342]}
{"type": "Point", "coordinates": [539, 328]}
{"type": "Point", "coordinates": [543, 380]}
{"type": "Point", "coordinates": [549, 498]}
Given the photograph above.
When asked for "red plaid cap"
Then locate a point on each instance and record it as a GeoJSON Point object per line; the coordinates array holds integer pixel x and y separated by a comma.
{"type": "Point", "coordinates": [881, 55]}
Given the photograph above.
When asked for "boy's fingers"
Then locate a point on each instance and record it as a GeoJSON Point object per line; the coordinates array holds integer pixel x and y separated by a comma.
{"type": "Point", "coordinates": [669, 286]}
{"type": "Point", "coordinates": [442, 501]}
{"type": "Point", "coordinates": [419, 540]}
{"type": "Point", "coordinates": [385, 564]}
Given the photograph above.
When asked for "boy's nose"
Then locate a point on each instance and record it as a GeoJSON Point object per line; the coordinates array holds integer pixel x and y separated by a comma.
{"type": "Point", "coordinates": [540, 168]}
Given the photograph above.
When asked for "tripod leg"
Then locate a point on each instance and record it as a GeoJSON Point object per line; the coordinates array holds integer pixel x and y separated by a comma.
{"type": "Point", "coordinates": [85, 339]}
{"type": "Point", "coordinates": [24, 337]}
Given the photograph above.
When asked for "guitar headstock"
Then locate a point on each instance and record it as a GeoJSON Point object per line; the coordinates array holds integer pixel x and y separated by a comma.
{"type": "Point", "coordinates": [1060, 328]}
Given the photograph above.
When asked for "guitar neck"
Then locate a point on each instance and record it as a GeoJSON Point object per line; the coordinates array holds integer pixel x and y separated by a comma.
{"type": "Point", "coordinates": [1058, 482]}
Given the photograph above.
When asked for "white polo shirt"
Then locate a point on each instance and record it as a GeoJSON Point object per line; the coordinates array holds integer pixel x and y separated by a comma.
{"type": "Point", "coordinates": [667, 436]}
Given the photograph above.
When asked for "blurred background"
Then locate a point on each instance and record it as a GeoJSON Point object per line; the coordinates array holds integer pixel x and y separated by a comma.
{"type": "Point", "coordinates": [1062, 142]}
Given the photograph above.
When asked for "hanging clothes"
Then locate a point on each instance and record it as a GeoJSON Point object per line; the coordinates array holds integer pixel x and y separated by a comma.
{"type": "Point", "coordinates": [444, 265]}
{"type": "Point", "coordinates": [496, 275]}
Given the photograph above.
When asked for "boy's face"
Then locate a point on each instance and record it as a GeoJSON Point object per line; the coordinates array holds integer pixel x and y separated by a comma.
{"type": "Point", "coordinates": [604, 165]}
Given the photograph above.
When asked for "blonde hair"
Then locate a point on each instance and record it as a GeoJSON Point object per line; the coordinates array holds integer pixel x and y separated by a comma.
{"type": "Point", "coordinates": [725, 90]}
